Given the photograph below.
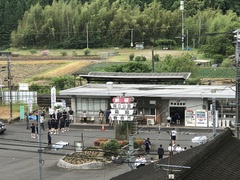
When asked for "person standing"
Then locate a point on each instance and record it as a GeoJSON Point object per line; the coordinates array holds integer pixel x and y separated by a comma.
{"type": "Point", "coordinates": [49, 139]}
{"type": "Point", "coordinates": [70, 112]}
{"type": "Point", "coordinates": [42, 116]}
{"type": "Point", "coordinates": [101, 116]}
{"type": "Point", "coordinates": [84, 117]}
{"type": "Point", "coordinates": [169, 119]}
{"type": "Point", "coordinates": [160, 152]}
{"type": "Point", "coordinates": [147, 144]}
{"type": "Point", "coordinates": [32, 127]}
{"type": "Point", "coordinates": [173, 136]}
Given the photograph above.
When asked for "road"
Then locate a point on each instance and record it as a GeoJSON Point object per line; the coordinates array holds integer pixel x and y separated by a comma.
{"type": "Point", "coordinates": [20, 159]}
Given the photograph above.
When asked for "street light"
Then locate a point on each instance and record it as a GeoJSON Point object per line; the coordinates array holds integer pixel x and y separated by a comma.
{"type": "Point", "coordinates": [182, 9]}
{"type": "Point", "coordinates": [9, 79]}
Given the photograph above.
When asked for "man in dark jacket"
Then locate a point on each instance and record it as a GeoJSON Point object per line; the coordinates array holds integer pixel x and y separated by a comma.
{"type": "Point", "coordinates": [160, 152]}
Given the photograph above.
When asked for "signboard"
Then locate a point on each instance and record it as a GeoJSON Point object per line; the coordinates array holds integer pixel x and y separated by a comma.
{"type": "Point", "coordinates": [122, 99]}
{"type": "Point", "coordinates": [201, 118]}
{"type": "Point", "coordinates": [21, 112]}
{"type": "Point", "coordinates": [23, 86]}
{"type": "Point", "coordinates": [122, 109]}
{"type": "Point", "coordinates": [190, 119]}
{"type": "Point", "coordinates": [53, 97]}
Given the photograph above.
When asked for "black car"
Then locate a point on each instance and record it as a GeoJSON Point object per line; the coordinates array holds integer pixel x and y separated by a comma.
{"type": "Point", "coordinates": [2, 127]}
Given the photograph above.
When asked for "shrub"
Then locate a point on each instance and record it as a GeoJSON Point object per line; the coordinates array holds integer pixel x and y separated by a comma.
{"type": "Point", "coordinates": [131, 56]}
{"type": "Point", "coordinates": [63, 53]}
{"type": "Point", "coordinates": [143, 58]}
{"type": "Point", "coordinates": [138, 58]}
{"type": "Point", "coordinates": [33, 51]}
{"type": "Point", "coordinates": [217, 58]}
{"type": "Point", "coordinates": [226, 63]}
{"type": "Point", "coordinates": [156, 57]}
{"type": "Point", "coordinates": [111, 147]}
{"type": "Point", "coordinates": [74, 54]}
{"type": "Point", "coordinates": [86, 51]}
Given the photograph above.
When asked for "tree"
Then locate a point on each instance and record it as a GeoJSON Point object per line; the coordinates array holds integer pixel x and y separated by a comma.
{"type": "Point", "coordinates": [184, 63]}
{"type": "Point", "coordinates": [130, 67]}
{"type": "Point", "coordinates": [63, 82]}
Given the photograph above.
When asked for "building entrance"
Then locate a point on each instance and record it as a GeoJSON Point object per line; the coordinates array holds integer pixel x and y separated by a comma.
{"type": "Point", "coordinates": [178, 115]}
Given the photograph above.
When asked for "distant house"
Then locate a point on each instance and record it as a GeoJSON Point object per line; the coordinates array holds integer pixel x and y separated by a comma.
{"type": "Point", "coordinates": [139, 45]}
{"type": "Point", "coordinates": [216, 159]}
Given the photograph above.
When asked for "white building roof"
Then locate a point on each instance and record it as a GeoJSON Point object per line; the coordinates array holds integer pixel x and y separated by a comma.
{"type": "Point", "coordinates": [146, 90]}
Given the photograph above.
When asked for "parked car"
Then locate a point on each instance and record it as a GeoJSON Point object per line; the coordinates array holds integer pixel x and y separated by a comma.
{"type": "Point", "coordinates": [2, 127]}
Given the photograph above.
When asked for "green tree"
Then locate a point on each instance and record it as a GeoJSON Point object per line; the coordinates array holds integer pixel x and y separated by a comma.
{"type": "Point", "coordinates": [63, 82]}
{"type": "Point", "coordinates": [130, 67]}
{"type": "Point", "coordinates": [177, 64]}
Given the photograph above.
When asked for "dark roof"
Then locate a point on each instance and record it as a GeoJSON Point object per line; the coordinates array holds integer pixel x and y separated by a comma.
{"type": "Point", "coordinates": [136, 77]}
{"type": "Point", "coordinates": [216, 159]}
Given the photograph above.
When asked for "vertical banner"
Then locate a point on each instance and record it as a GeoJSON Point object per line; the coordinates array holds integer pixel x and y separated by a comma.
{"type": "Point", "coordinates": [21, 112]}
{"type": "Point", "coordinates": [29, 105]}
{"type": "Point", "coordinates": [53, 97]}
{"type": "Point", "coordinates": [64, 104]}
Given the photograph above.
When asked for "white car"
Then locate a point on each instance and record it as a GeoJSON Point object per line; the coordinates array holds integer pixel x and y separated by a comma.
{"type": "Point", "coordinates": [2, 127]}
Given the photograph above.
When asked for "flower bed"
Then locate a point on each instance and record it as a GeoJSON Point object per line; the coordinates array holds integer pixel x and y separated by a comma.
{"type": "Point", "coordinates": [101, 141]}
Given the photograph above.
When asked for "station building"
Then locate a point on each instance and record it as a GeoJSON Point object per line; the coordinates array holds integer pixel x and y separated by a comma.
{"type": "Point", "coordinates": [157, 96]}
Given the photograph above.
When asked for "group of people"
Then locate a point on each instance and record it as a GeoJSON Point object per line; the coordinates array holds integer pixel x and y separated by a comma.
{"type": "Point", "coordinates": [140, 161]}
{"type": "Point", "coordinates": [61, 120]}
{"type": "Point", "coordinates": [58, 121]}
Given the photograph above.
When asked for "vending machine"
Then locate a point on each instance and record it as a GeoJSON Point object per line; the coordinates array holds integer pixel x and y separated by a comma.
{"type": "Point", "coordinates": [201, 118]}
{"type": "Point", "coordinates": [190, 119]}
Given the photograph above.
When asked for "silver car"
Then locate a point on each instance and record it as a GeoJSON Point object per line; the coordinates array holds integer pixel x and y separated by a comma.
{"type": "Point", "coordinates": [2, 127]}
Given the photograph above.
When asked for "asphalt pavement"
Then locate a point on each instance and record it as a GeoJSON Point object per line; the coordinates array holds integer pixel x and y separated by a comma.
{"type": "Point", "coordinates": [20, 157]}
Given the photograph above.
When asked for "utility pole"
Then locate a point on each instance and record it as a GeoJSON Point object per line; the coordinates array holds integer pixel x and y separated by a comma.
{"type": "Point", "coordinates": [9, 78]}
{"type": "Point", "coordinates": [237, 56]}
{"type": "Point", "coordinates": [131, 38]}
{"type": "Point", "coordinates": [182, 9]}
{"type": "Point", "coordinates": [40, 149]}
{"type": "Point", "coordinates": [152, 60]}
{"type": "Point", "coordinates": [10, 84]}
{"type": "Point", "coordinates": [87, 34]}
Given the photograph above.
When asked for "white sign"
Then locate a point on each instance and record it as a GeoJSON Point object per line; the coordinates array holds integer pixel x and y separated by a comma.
{"type": "Point", "coordinates": [53, 97]}
{"type": "Point", "coordinates": [23, 86]}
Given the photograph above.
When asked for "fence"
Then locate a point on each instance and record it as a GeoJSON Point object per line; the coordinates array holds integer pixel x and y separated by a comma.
{"type": "Point", "coordinates": [25, 97]}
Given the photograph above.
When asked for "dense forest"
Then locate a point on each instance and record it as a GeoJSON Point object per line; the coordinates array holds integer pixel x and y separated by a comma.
{"type": "Point", "coordinates": [208, 24]}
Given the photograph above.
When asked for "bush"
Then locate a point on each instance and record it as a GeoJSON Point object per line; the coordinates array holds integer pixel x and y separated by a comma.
{"type": "Point", "coordinates": [74, 54]}
{"type": "Point", "coordinates": [33, 51]}
{"type": "Point", "coordinates": [63, 53]}
{"type": "Point", "coordinates": [111, 147]}
{"type": "Point", "coordinates": [156, 57]}
{"type": "Point", "coordinates": [138, 58]}
{"type": "Point", "coordinates": [86, 51]}
{"type": "Point", "coordinates": [226, 63]}
{"type": "Point", "coordinates": [131, 56]}
{"type": "Point", "coordinates": [143, 58]}
{"type": "Point", "coordinates": [217, 59]}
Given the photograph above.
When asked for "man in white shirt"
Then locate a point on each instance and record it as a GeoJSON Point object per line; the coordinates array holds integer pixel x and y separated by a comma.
{"type": "Point", "coordinates": [137, 162]}
{"type": "Point", "coordinates": [178, 149]}
{"type": "Point", "coordinates": [173, 136]}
